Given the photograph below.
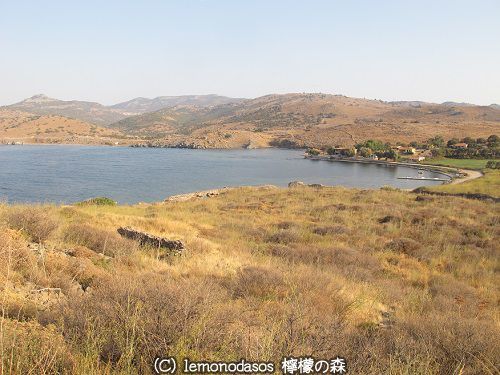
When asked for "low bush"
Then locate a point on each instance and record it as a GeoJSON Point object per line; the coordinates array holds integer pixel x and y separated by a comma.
{"type": "Point", "coordinates": [129, 318]}
{"type": "Point", "coordinates": [29, 348]}
{"type": "Point", "coordinates": [404, 245]}
{"type": "Point", "coordinates": [389, 219]}
{"type": "Point", "coordinates": [331, 229]}
{"type": "Point", "coordinates": [284, 236]}
{"type": "Point", "coordinates": [256, 281]}
{"type": "Point", "coordinates": [100, 240]}
{"type": "Point", "coordinates": [36, 222]}
{"type": "Point", "coordinates": [266, 274]}
{"type": "Point", "coordinates": [98, 201]}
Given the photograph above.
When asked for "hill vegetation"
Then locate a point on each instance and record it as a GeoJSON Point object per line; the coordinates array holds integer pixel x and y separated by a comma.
{"type": "Point", "coordinates": [289, 120]}
{"type": "Point", "coordinates": [394, 282]}
{"type": "Point", "coordinates": [88, 112]}
{"type": "Point", "coordinates": [16, 126]}
{"type": "Point", "coordinates": [313, 120]}
{"type": "Point", "coordinates": [99, 114]}
{"type": "Point", "coordinates": [144, 105]}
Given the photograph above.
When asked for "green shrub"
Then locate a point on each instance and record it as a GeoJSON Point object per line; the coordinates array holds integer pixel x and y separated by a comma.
{"type": "Point", "coordinates": [98, 201]}
{"type": "Point", "coordinates": [313, 152]}
{"type": "Point", "coordinates": [493, 164]}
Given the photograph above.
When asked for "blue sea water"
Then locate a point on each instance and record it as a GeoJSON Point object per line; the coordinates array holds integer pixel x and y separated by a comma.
{"type": "Point", "coordinates": [66, 174]}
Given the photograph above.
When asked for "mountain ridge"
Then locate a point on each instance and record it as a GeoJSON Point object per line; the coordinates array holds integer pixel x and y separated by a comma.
{"type": "Point", "coordinates": [144, 105]}
{"type": "Point", "coordinates": [91, 112]}
{"type": "Point", "coordinates": [293, 119]}
{"type": "Point", "coordinates": [99, 114]}
{"type": "Point", "coordinates": [310, 119]}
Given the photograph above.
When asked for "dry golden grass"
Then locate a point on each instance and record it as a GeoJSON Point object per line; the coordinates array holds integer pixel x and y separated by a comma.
{"type": "Point", "coordinates": [394, 284]}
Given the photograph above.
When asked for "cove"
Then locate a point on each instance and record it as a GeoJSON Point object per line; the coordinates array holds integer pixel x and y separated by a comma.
{"type": "Point", "coordinates": [67, 173]}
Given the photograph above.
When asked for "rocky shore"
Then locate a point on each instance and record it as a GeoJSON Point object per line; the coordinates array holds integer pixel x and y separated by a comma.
{"type": "Point", "coordinates": [212, 193]}
{"type": "Point", "coordinates": [157, 144]}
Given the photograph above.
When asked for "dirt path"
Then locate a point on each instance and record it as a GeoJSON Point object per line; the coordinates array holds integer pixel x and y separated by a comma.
{"type": "Point", "coordinates": [468, 175]}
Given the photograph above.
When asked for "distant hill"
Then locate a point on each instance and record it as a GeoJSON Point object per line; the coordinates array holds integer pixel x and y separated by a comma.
{"type": "Point", "coordinates": [455, 104]}
{"type": "Point", "coordinates": [143, 105]}
{"type": "Point", "coordinates": [312, 120]}
{"type": "Point", "coordinates": [32, 128]}
{"type": "Point", "coordinates": [86, 111]}
{"type": "Point", "coordinates": [307, 119]}
{"type": "Point", "coordinates": [99, 114]}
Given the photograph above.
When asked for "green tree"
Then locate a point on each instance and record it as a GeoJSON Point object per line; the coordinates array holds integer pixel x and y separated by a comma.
{"type": "Point", "coordinates": [374, 145]}
{"type": "Point", "coordinates": [350, 152]}
{"type": "Point", "coordinates": [436, 141]}
{"type": "Point", "coordinates": [313, 152]}
{"type": "Point", "coordinates": [493, 140]}
{"type": "Point", "coordinates": [391, 154]}
{"type": "Point", "coordinates": [469, 140]}
{"type": "Point", "coordinates": [365, 152]}
{"type": "Point", "coordinates": [436, 152]}
{"type": "Point", "coordinates": [492, 164]}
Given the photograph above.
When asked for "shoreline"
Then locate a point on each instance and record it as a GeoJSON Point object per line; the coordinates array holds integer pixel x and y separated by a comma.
{"type": "Point", "coordinates": [455, 175]}
{"type": "Point", "coordinates": [64, 144]}
{"type": "Point", "coordinates": [450, 172]}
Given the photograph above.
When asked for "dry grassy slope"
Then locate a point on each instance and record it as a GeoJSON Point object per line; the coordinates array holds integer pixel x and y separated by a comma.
{"type": "Point", "coordinates": [99, 114]}
{"type": "Point", "coordinates": [31, 128]}
{"type": "Point", "coordinates": [144, 105]}
{"type": "Point", "coordinates": [394, 284]}
{"type": "Point", "coordinates": [315, 119]}
{"type": "Point", "coordinates": [90, 112]}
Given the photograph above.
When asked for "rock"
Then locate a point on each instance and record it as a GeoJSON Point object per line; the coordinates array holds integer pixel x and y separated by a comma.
{"type": "Point", "coordinates": [250, 146]}
{"type": "Point", "coordinates": [197, 194]}
{"type": "Point", "coordinates": [146, 239]}
{"type": "Point", "coordinates": [213, 193]}
{"type": "Point", "coordinates": [295, 184]}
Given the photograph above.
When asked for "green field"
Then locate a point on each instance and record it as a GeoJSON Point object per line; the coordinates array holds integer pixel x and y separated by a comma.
{"type": "Point", "coordinates": [488, 184]}
{"type": "Point", "coordinates": [459, 163]}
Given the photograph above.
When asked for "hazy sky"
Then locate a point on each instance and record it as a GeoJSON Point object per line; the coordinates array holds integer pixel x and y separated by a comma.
{"type": "Point", "coordinates": [111, 51]}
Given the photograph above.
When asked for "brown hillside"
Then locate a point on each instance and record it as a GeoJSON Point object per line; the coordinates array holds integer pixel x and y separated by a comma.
{"type": "Point", "coordinates": [313, 120]}
{"type": "Point", "coordinates": [30, 128]}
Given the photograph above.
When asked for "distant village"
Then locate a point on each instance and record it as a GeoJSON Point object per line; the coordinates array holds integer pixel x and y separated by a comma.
{"type": "Point", "coordinates": [466, 148]}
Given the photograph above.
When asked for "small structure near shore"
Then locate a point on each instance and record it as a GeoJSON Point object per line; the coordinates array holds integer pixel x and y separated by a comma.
{"type": "Point", "coordinates": [146, 239]}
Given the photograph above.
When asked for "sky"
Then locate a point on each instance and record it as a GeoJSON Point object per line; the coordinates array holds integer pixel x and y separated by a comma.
{"type": "Point", "coordinates": [111, 51]}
